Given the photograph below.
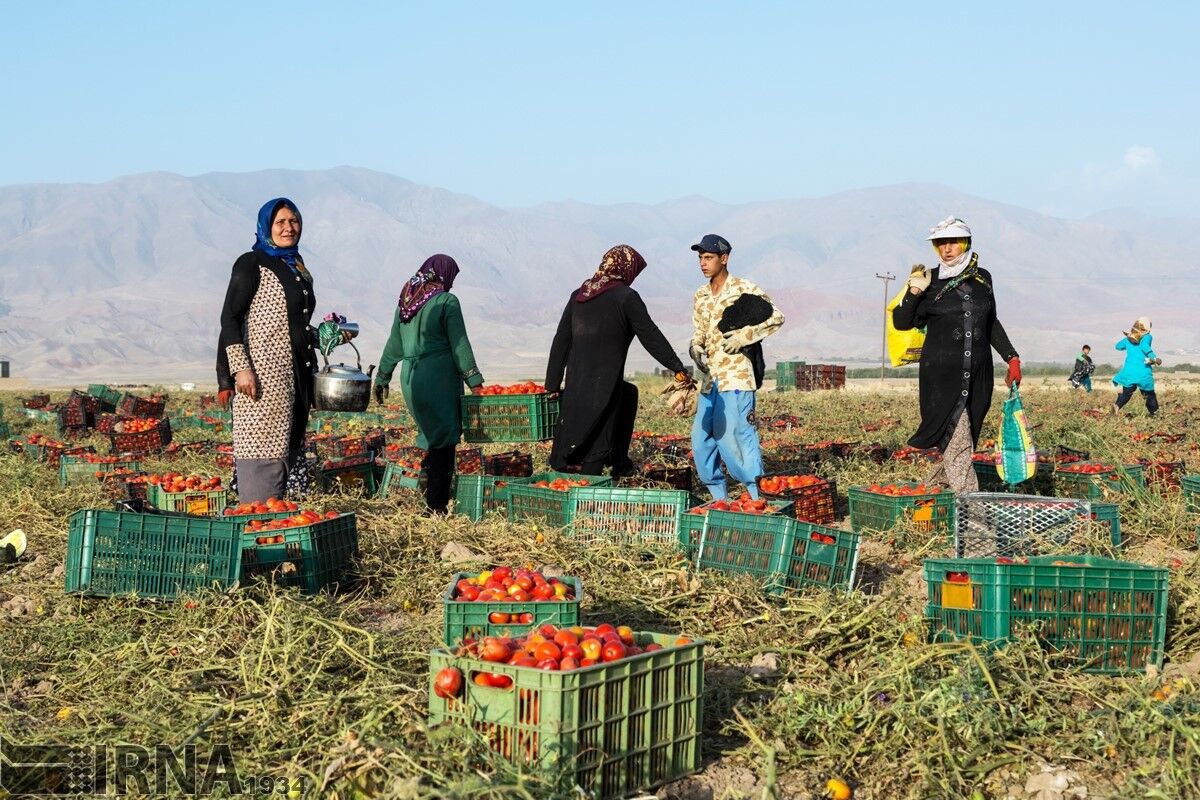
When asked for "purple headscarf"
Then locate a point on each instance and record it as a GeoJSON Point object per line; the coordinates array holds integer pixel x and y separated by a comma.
{"type": "Point", "coordinates": [435, 276]}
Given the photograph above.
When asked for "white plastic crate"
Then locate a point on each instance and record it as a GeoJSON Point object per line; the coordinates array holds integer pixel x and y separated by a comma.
{"type": "Point", "coordinates": [997, 524]}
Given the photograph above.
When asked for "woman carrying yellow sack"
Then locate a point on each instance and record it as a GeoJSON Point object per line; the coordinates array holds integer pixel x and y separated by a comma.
{"type": "Point", "coordinates": [954, 302]}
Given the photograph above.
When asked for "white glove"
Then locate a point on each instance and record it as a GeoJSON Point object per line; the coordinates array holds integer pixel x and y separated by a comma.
{"type": "Point", "coordinates": [735, 340]}
{"type": "Point", "coordinates": [700, 357]}
{"type": "Point", "coordinates": [919, 278]}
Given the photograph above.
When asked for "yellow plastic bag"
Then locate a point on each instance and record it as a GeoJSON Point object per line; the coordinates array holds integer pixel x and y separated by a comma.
{"type": "Point", "coordinates": [904, 347]}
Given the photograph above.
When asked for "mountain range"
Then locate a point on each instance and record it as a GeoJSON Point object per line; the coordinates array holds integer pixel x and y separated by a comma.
{"type": "Point", "coordinates": [124, 280]}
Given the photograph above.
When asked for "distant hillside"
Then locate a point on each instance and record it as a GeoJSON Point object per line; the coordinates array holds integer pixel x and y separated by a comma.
{"type": "Point", "coordinates": [124, 280]}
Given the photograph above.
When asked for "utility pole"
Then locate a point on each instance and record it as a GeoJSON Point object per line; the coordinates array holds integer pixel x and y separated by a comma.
{"type": "Point", "coordinates": [887, 278]}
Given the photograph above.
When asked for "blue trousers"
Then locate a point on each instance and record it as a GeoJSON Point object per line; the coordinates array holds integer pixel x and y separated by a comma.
{"type": "Point", "coordinates": [723, 432]}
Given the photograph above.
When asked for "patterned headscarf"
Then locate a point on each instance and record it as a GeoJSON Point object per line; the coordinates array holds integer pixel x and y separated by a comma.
{"type": "Point", "coordinates": [620, 265]}
{"type": "Point", "coordinates": [262, 239]}
{"type": "Point", "coordinates": [435, 276]}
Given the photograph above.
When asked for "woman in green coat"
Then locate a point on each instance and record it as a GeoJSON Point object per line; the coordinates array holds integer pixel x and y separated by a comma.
{"type": "Point", "coordinates": [430, 338]}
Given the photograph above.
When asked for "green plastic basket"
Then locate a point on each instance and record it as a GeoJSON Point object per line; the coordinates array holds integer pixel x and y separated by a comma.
{"type": "Point", "coordinates": [1042, 482]}
{"type": "Point", "coordinates": [1102, 616]}
{"type": "Point", "coordinates": [329, 421]}
{"type": "Point", "coordinates": [1109, 514]}
{"type": "Point", "coordinates": [204, 503]}
{"type": "Point", "coordinates": [149, 555]}
{"type": "Point", "coordinates": [74, 470]}
{"type": "Point", "coordinates": [108, 397]}
{"type": "Point", "coordinates": [352, 479]}
{"type": "Point", "coordinates": [551, 507]}
{"type": "Point", "coordinates": [310, 558]}
{"type": "Point", "coordinates": [508, 417]}
{"type": "Point", "coordinates": [41, 415]}
{"type": "Point", "coordinates": [397, 477]}
{"type": "Point", "coordinates": [1191, 491]}
{"type": "Point", "coordinates": [781, 552]}
{"type": "Point", "coordinates": [612, 729]}
{"type": "Point", "coordinates": [1113, 482]}
{"type": "Point", "coordinates": [477, 495]}
{"type": "Point", "coordinates": [930, 513]}
{"type": "Point", "coordinates": [627, 516]}
{"type": "Point", "coordinates": [470, 620]}
{"type": "Point", "coordinates": [691, 526]}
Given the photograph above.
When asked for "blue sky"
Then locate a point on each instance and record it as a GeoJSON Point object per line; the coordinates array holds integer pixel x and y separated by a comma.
{"type": "Point", "coordinates": [1068, 108]}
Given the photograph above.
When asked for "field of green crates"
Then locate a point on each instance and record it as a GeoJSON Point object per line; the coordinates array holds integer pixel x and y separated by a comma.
{"type": "Point", "coordinates": [1034, 645]}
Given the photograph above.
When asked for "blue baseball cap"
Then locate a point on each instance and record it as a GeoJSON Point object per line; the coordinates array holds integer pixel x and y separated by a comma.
{"type": "Point", "coordinates": [711, 243]}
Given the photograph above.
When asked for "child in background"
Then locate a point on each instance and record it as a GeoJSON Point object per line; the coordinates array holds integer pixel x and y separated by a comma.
{"type": "Point", "coordinates": [1082, 374]}
{"type": "Point", "coordinates": [1137, 373]}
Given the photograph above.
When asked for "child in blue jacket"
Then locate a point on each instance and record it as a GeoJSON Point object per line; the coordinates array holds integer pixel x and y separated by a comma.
{"type": "Point", "coordinates": [1138, 372]}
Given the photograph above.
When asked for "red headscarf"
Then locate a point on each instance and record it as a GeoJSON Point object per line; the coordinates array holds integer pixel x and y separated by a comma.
{"type": "Point", "coordinates": [620, 265]}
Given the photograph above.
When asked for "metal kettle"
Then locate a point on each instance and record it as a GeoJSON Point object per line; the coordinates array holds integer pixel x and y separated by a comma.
{"type": "Point", "coordinates": [340, 387]}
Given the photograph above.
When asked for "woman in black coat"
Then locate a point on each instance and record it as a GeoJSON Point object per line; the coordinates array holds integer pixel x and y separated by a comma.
{"type": "Point", "coordinates": [591, 345]}
{"type": "Point", "coordinates": [955, 303]}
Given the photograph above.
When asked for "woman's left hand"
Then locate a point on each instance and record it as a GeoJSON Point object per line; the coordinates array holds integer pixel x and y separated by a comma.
{"type": "Point", "coordinates": [1014, 372]}
{"type": "Point", "coordinates": [477, 390]}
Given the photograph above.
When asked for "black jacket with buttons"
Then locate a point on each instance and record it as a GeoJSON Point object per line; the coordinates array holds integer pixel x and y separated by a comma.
{"type": "Point", "coordinates": [301, 300]}
{"type": "Point", "coordinates": [956, 360]}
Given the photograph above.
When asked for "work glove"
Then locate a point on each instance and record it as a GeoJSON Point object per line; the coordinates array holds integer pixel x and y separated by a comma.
{"type": "Point", "coordinates": [329, 336]}
{"type": "Point", "coordinates": [381, 393]}
{"type": "Point", "coordinates": [735, 340]}
{"type": "Point", "coordinates": [1014, 372]}
{"type": "Point", "coordinates": [919, 278]}
{"type": "Point", "coordinates": [1153, 362]}
{"type": "Point", "coordinates": [699, 357]}
{"type": "Point", "coordinates": [225, 398]}
{"type": "Point", "coordinates": [680, 397]}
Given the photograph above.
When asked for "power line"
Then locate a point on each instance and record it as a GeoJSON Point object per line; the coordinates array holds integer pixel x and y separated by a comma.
{"type": "Point", "coordinates": [887, 278]}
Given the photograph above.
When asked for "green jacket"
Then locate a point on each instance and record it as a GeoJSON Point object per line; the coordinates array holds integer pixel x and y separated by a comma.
{"type": "Point", "coordinates": [437, 358]}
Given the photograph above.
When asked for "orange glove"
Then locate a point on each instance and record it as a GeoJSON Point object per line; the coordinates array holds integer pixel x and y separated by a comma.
{"type": "Point", "coordinates": [225, 398]}
{"type": "Point", "coordinates": [1014, 372]}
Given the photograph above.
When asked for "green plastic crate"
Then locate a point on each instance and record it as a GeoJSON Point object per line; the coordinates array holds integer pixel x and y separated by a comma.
{"type": "Point", "coordinates": [1042, 482]}
{"type": "Point", "coordinates": [206, 503]}
{"type": "Point", "coordinates": [108, 397]}
{"type": "Point", "coordinates": [785, 375]}
{"type": "Point", "coordinates": [782, 552]}
{"type": "Point", "coordinates": [41, 415]}
{"type": "Point", "coordinates": [75, 470]}
{"type": "Point", "coordinates": [550, 506]}
{"type": "Point", "coordinates": [149, 555]}
{"type": "Point", "coordinates": [930, 513]}
{"type": "Point", "coordinates": [1099, 485]}
{"type": "Point", "coordinates": [1191, 491]}
{"type": "Point", "coordinates": [1110, 514]}
{"type": "Point", "coordinates": [1104, 616]}
{"type": "Point", "coordinates": [628, 516]}
{"type": "Point", "coordinates": [329, 421]}
{"type": "Point", "coordinates": [477, 495]}
{"type": "Point", "coordinates": [508, 417]}
{"type": "Point", "coordinates": [397, 477]}
{"type": "Point", "coordinates": [612, 729]}
{"type": "Point", "coordinates": [691, 526]}
{"type": "Point", "coordinates": [464, 619]}
{"type": "Point", "coordinates": [355, 478]}
{"type": "Point", "coordinates": [310, 558]}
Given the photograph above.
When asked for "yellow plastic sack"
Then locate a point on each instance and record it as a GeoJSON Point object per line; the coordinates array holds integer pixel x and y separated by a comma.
{"type": "Point", "coordinates": [904, 347]}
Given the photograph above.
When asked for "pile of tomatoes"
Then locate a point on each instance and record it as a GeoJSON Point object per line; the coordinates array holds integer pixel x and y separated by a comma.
{"type": "Point", "coordinates": [1085, 468]}
{"type": "Point", "coordinates": [547, 648]}
{"type": "Point", "coordinates": [743, 503]}
{"type": "Point", "coordinates": [909, 453]}
{"type": "Point", "coordinates": [175, 482]}
{"type": "Point", "coordinates": [301, 519]}
{"type": "Point", "coordinates": [136, 424]}
{"type": "Point", "coordinates": [903, 489]}
{"type": "Point", "coordinates": [504, 584]}
{"type": "Point", "coordinates": [271, 505]}
{"type": "Point", "coordinates": [94, 458]}
{"type": "Point", "coordinates": [783, 484]}
{"type": "Point", "coordinates": [528, 387]}
{"type": "Point", "coordinates": [560, 484]}
{"type": "Point", "coordinates": [43, 440]}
